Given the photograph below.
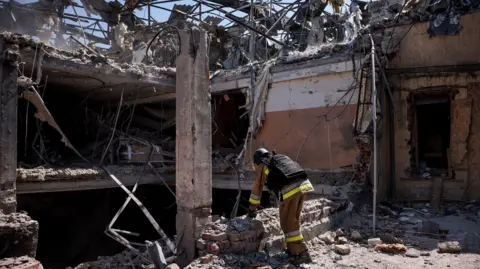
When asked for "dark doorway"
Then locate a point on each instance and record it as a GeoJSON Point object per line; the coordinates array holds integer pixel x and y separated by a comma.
{"type": "Point", "coordinates": [433, 132]}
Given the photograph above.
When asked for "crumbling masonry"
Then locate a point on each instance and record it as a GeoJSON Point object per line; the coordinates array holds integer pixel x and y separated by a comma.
{"type": "Point", "coordinates": [18, 232]}
{"type": "Point", "coordinates": [244, 235]}
{"type": "Point", "coordinates": [194, 144]}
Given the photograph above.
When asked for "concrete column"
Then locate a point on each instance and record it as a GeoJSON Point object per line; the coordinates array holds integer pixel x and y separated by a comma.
{"type": "Point", "coordinates": [194, 142]}
{"type": "Point", "coordinates": [8, 126]}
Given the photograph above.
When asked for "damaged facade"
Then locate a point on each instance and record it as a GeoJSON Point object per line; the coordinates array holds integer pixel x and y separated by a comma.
{"type": "Point", "coordinates": [435, 83]}
{"type": "Point", "coordinates": [292, 78]}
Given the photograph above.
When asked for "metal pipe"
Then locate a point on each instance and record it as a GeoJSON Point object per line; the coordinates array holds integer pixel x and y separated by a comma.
{"type": "Point", "coordinates": [85, 46]}
{"type": "Point", "coordinates": [251, 47]}
{"type": "Point", "coordinates": [281, 17]}
{"type": "Point", "coordinates": [234, 18]}
{"type": "Point", "coordinates": [149, 16]}
{"type": "Point", "coordinates": [374, 118]}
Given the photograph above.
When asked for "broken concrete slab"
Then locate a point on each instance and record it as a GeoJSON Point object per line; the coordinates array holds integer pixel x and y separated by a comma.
{"type": "Point", "coordinates": [449, 247]}
{"type": "Point", "coordinates": [342, 249]}
{"type": "Point", "coordinates": [81, 72]}
{"type": "Point", "coordinates": [23, 262]}
{"type": "Point", "coordinates": [19, 235]}
{"type": "Point", "coordinates": [374, 241]}
{"type": "Point", "coordinates": [412, 253]}
{"type": "Point", "coordinates": [356, 236]}
{"type": "Point", "coordinates": [328, 238]}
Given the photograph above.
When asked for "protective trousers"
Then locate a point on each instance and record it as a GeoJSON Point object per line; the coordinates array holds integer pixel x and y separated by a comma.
{"type": "Point", "coordinates": [290, 210]}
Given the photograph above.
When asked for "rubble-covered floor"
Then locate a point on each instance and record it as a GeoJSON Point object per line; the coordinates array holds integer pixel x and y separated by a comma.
{"type": "Point", "coordinates": [413, 232]}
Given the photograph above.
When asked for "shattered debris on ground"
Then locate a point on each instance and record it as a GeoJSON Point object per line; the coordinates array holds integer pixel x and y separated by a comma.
{"type": "Point", "coordinates": [24, 262]}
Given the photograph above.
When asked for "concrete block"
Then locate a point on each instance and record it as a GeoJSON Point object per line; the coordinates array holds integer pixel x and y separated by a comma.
{"type": "Point", "coordinates": [328, 238]}
{"type": "Point", "coordinates": [449, 247]}
{"type": "Point", "coordinates": [200, 244]}
{"type": "Point", "coordinates": [342, 249]}
{"type": "Point", "coordinates": [214, 237]}
{"type": "Point", "coordinates": [374, 241]}
{"type": "Point", "coordinates": [356, 236]}
{"type": "Point", "coordinates": [326, 211]}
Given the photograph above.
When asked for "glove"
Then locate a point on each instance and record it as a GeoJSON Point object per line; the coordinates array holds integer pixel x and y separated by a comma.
{"type": "Point", "coordinates": [252, 213]}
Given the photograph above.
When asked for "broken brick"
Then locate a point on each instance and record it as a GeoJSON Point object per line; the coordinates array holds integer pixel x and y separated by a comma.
{"type": "Point", "coordinates": [201, 244]}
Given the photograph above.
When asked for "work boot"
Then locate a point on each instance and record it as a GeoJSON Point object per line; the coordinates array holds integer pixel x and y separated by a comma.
{"type": "Point", "coordinates": [301, 258]}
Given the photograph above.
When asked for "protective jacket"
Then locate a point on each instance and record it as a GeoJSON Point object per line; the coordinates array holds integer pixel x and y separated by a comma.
{"type": "Point", "coordinates": [281, 175]}
{"type": "Point", "coordinates": [282, 171]}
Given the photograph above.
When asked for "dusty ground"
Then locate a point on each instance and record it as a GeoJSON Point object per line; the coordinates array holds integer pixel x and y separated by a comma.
{"type": "Point", "coordinates": [416, 227]}
{"type": "Point", "coordinates": [360, 257]}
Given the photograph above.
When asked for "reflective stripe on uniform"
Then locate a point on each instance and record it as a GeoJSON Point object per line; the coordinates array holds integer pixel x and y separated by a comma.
{"type": "Point", "coordinates": [254, 199]}
{"type": "Point", "coordinates": [293, 237]}
{"type": "Point", "coordinates": [289, 191]}
{"type": "Point", "coordinates": [294, 233]}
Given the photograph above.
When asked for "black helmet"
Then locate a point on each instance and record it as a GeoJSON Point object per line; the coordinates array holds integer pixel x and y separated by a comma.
{"type": "Point", "coordinates": [258, 155]}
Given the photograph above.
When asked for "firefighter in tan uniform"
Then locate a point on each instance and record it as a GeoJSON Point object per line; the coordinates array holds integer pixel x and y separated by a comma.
{"type": "Point", "coordinates": [289, 182]}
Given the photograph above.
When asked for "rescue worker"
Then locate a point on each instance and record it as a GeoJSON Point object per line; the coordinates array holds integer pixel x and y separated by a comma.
{"type": "Point", "coordinates": [287, 179]}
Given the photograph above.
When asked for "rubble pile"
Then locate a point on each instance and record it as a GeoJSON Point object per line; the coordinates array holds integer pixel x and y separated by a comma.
{"type": "Point", "coordinates": [19, 235]}
{"type": "Point", "coordinates": [41, 174]}
{"type": "Point", "coordinates": [124, 260]}
{"type": "Point", "coordinates": [23, 262]}
{"type": "Point", "coordinates": [245, 235]}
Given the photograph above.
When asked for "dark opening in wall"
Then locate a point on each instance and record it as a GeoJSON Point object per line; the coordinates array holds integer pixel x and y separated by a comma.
{"type": "Point", "coordinates": [230, 123]}
{"type": "Point", "coordinates": [88, 124]}
{"type": "Point", "coordinates": [433, 131]}
{"type": "Point", "coordinates": [72, 224]}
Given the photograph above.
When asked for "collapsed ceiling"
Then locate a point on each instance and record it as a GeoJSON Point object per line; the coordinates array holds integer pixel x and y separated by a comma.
{"type": "Point", "coordinates": [242, 32]}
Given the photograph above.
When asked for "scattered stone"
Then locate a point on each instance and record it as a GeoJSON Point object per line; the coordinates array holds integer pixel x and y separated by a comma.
{"type": "Point", "coordinates": [390, 239]}
{"type": "Point", "coordinates": [374, 241]}
{"type": "Point", "coordinates": [449, 247]}
{"type": "Point", "coordinates": [207, 258]}
{"type": "Point", "coordinates": [425, 253]}
{"type": "Point", "coordinates": [387, 210]}
{"type": "Point", "coordinates": [412, 253]}
{"type": "Point", "coordinates": [265, 267]}
{"type": "Point", "coordinates": [356, 236]}
{"type": "Point", "coordinates": [407, 214]}
{"type": "Point", "coordinates": [173, 266]}
{"type": "Point", "coordinates": [391, 248]}
{"type": "Point", "coordinates": [404, 219]}
{"type": "Point", "coordinates": [328, 238]}
{"type": "Point", "coordinates": [339, 232]}
{"type": "Point", "coordinates": [342, 240]}
{"type": "Point", "coordinates": [342, 249]}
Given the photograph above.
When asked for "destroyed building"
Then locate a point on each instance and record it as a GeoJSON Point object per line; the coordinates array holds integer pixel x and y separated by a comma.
{"type": "Point", "coordinates": [142, 115]}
